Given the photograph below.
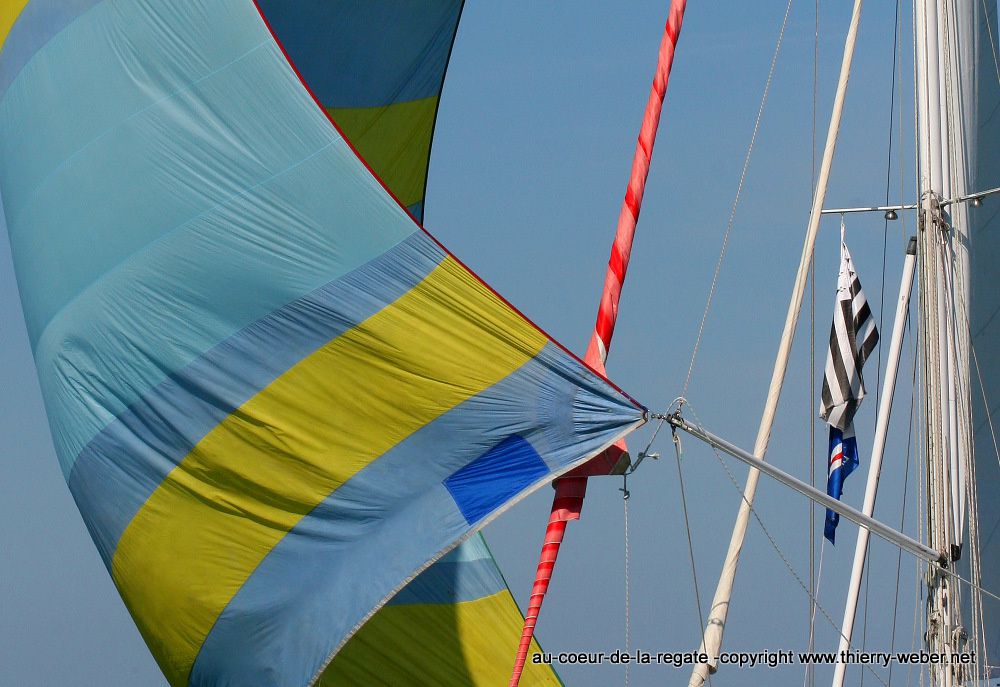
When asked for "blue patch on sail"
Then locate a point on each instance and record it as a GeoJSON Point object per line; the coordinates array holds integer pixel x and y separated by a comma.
{"type": "Point", "coordinates": [494, 477]}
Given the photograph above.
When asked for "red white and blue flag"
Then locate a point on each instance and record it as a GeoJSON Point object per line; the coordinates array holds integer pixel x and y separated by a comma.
{"type": "Point", "coordinates": [853, 337]}
{"type": "Point", "coordinates": [843, 460]}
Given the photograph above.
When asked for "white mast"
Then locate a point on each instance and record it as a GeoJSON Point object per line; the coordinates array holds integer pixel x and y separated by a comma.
{"type": "Point", "coordinates": [944, 293]}
{"type": "Point", "coordinates": [875, 465]}
{"type": "Point", "coordinates": [929, 131]}
{"type": "Point", "coordinates": [942, 305]}
{"type": "Point", "coordinates": [712, 639]}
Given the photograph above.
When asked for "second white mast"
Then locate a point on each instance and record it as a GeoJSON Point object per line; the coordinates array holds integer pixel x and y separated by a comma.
{"type": "Point", "coordinates": [712, 639]}
{"type": "Point", "coordinates": [878, 450]}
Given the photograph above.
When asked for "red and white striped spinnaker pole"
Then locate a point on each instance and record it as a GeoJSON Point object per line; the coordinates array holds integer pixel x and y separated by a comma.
{"type": "Point", "coordinates": [571, 489]}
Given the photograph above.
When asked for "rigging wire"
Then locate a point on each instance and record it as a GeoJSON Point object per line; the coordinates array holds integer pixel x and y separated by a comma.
{"type": "Point", "coordinates": [953, 288]}
{"type": "Point", "coordinates": [959, 311]}
{"type": "Point", "coordinates": [923, 515]}
{"type": "Point", "coordinates": [677, 402]}
{"type": "Point", "coordinates": [885, 242]}
{"type": "Point", "coordinates": [810, 679]}
{"type": "Point", "coordinates": [906, 480]}
{"type": "Point", "coordinates": [959, 342]}
{"type": "Point", "coordinates": [810, 676]}
{"type": "Point", "coordinates": [982, 388]}
{"type": "Point", "coordinates": [915, 333]}
{"type": "Point", "coordinates": [932, 412]}
{"type": "Point", "coordinates": [814, 593]}
{"type": "Point", "coordinates": [977, 569]}
{"type": "Point", "coordinates": [736, 200]}
{"type": "Point", "coordinates": [975, 564]}
{"type": "Point", "coordinates": [864, 621]}
{"type": "Point", "coordinates": [777, 548]}
{"type": "Point", "coordinates": [628, 592]}
{"type": "Point", "coordinates": [996, 64]}
{"type": "Point", "coordinates": [959, 305]}
{"type": "Point", "coordinates": [917, 597]}
{"type": "Point", "coordinates": [922, 469]}
{"type": "Point", "coordinates": [972, 585]}
{"type": "Point", "coordinates": [678, 451]}
{"type": "Point", "coordinates": [881, 318]}
{"type": "Point", "coordinates": [943, 571]}
{"type": "Point", "coordinates": [888, 175]}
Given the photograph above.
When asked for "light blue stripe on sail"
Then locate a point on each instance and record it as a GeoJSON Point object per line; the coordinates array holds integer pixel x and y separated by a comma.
{"type": "Point", "coordinates": [166, 209]}
{"type": "Point", "coordinates": [120, 468]}
{"type": "Point", "coordinates": [343, 559]}
{"type": "Point", "coordinates": [466, 573]}
{"type": "Point", "coordinates": [38, 23]}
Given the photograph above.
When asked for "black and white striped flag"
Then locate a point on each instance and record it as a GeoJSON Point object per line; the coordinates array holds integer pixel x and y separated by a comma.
{"type": "Point", "coordinates": [853, 337]}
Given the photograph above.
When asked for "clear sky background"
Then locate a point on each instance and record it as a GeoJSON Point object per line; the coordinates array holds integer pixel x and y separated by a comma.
{"type": "Point", "coordinates": [535, 137]}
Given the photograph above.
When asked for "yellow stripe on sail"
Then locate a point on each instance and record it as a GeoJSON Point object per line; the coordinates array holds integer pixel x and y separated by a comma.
{"type": "Point", "coordinates": [395, 140]}
{"type": "Point", "coordinates": [10, 10]}
{"type": "Point", "coordinates": [255, 475]}
{"type": "Point", "coordinates": [447, 645]}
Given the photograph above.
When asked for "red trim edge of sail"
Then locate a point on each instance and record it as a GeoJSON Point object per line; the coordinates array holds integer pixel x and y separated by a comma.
{"type": "Point", "coordinates": [392, 195]}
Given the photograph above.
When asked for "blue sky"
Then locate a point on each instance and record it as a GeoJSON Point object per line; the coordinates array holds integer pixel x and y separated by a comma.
{"type": "Point", "coordinates": [534, 142]}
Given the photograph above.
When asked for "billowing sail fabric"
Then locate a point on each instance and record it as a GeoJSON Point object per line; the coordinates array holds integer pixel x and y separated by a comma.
{"type": "Point", "coordinates": [453, 625]}
{"type": "Point", "coordinates": [378, 68]}
{"type": "Point", "coordinates": [276, 400]}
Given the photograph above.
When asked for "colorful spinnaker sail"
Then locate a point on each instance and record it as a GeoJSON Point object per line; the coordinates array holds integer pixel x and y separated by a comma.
{"type": "Point", "coordinates": [276, 399]}
{"type": "Point", "coordinates": [378, 68]}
